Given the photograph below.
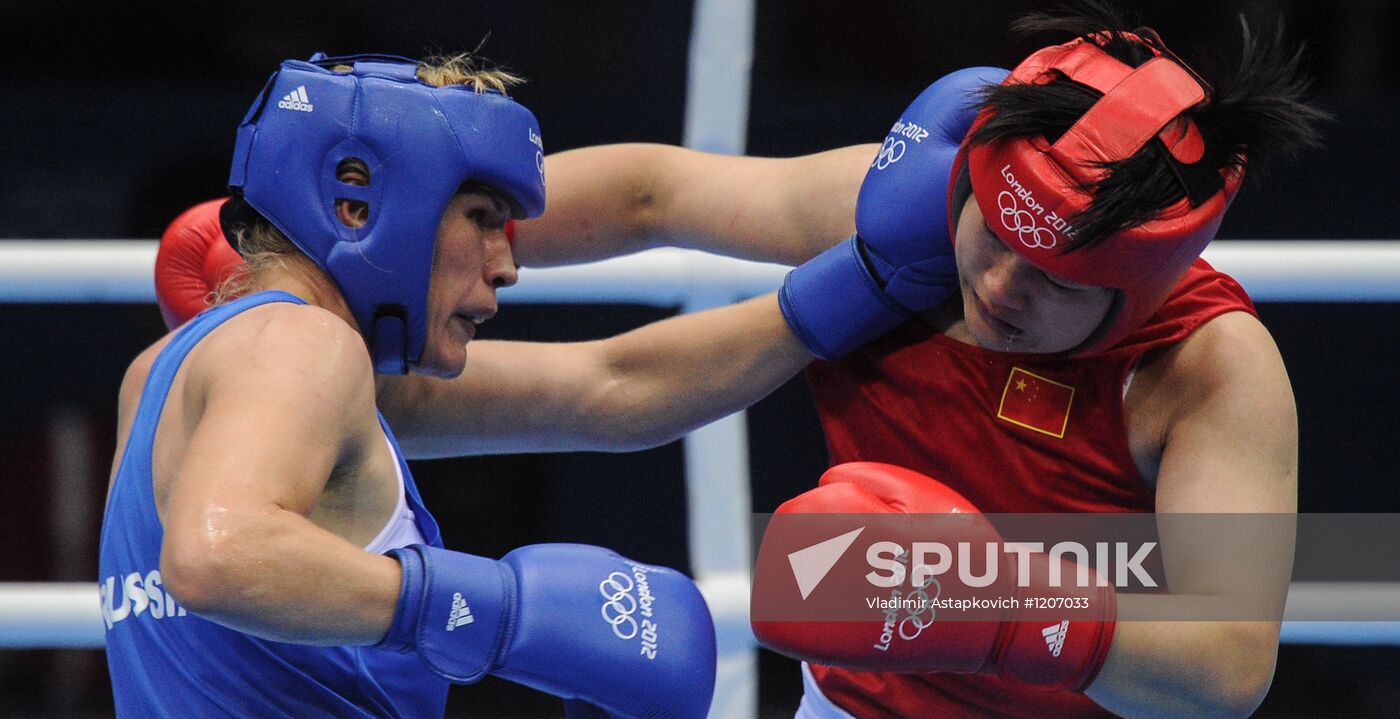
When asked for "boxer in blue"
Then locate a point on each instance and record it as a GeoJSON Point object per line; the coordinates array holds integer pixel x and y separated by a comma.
{"type": "Point", "coordinates": [264, 550]}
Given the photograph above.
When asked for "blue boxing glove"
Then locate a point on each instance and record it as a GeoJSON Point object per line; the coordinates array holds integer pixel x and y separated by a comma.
{"type": "Point", "coordinates": [620, 638]}
{"type": "Point", "coordinates": [900, 261]}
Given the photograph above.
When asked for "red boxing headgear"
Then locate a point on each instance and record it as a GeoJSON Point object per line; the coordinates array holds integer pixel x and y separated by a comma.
{"type": "Point", "coordinates": [1030, 190]}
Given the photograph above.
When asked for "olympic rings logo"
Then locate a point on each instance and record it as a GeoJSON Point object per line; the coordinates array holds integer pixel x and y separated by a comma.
{"type": "Point", "coordinates": [617, 612]}
{"type": "Point", "coordinates": [1023, 223]}
{"type": "Point", "coordinates": [914, 624]}
{"type": "Point", "coordinates": [890, 152]}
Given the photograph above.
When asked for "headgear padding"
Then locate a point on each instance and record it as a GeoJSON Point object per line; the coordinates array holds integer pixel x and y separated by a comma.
{"type": "Point", "coordinates": [419, 142]}
{"type": "Point", "coordinates": [1031, 190]}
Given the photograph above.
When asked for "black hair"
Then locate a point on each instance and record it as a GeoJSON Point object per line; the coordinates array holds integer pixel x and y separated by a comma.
{"type": "Point", "coordinates": [1255, 113]}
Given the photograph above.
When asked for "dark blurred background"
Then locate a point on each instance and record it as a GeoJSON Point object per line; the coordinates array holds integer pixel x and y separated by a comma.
{"type": "Point", "coordinates": [114, 117]}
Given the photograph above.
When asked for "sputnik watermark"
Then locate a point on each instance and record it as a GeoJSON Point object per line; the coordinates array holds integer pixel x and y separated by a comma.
{"type": "Point", "coordinates": [900, 571]}
{"type": "Point", "coordinates": [1115, 563]}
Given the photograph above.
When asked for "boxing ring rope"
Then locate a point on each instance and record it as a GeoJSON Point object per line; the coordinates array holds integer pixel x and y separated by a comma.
{"type": "Point", "coordinates": [56, 615]}
{"type": "Point", "coordinates": [119, 271]}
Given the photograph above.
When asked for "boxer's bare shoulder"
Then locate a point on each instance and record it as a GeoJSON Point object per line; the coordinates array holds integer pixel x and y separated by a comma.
{"type": "Point", "coordinates": [282, 371]}
{"type": "Point", "coordinates": [1225, 383]}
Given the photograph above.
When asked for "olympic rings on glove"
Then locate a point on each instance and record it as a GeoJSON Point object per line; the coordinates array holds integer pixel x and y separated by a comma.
{"type": "Point", "coordinates": [890, 152]}
{"type": "Point", "coordinates": [617, 613]}
{"type": "Point", "coordinates": [920, 601]}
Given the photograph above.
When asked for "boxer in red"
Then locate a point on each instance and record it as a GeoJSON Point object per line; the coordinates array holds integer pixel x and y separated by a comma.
{"type": "Point", "coordinates": [1097, 171]}
{"type": "Point", "coordinates": [1091, 179]}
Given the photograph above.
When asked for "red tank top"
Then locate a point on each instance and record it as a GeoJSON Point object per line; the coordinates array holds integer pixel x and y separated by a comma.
{"type": "Point", "coordinates": [1012, 433]}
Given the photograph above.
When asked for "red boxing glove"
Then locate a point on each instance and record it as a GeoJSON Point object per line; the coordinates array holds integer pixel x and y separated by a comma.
{"type": "Point", "coordinates": [1055, 654]}
{"type": "Point", "coordinates": [192, 260]}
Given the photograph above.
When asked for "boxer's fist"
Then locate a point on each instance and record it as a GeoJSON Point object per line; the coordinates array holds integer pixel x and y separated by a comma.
{"type": "Point", "coordinates": [900, 260]}
{"type": "Point", "coordinates": [192, 260]}
{"type": "Point", "coordinates": [874, 488]}
{"type": "Point", "coordinates": [939, 641]}
{"type": "Point", "coordinates": [578, 622]}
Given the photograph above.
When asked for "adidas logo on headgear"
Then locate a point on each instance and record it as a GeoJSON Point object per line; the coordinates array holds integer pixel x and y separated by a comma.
{"type": "Point", "coordinates": [296, 100]}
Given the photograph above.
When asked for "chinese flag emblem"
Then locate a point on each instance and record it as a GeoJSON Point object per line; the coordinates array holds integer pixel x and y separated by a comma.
{"type": "Point", "coordinates": [1036, 403]}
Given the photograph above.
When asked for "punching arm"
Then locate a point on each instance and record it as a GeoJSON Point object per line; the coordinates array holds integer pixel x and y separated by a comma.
{"type": "Point", "coordinates": [638, 389]}
{"type": "Point", "coordinates": [610, 200]}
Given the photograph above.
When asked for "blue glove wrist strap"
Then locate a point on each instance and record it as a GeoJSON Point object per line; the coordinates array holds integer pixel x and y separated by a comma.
{"type": "Point", "coordinates": [454, 609]}
{"type": "Point", "coordinates": [834, 304]}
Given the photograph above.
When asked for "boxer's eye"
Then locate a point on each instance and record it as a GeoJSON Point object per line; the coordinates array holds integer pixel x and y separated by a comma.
{"type": "Point", "coordinates": [1067, 285]}
{"type": "Point", "coordinates": [488, 219]}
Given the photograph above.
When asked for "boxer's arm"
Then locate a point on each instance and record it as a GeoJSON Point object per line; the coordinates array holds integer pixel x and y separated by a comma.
{"type": "Point", "coordinates": [638, 389]}
{"type": "Point", "coordinates": [614, 199]}
{"type": "Point", "coordinates": [1231, 446]}
{"type": "Point", "coordinates": [287, 399]}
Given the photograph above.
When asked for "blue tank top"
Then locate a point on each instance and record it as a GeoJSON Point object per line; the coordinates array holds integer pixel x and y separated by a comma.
{"type": "Point", "coordinates": [167, 662]}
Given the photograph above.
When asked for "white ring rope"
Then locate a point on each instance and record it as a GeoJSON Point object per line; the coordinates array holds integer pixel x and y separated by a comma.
{"type": "Point", "coordinates": [67, 614]}
{"type": "Point", "coordinates": [1272, 271]}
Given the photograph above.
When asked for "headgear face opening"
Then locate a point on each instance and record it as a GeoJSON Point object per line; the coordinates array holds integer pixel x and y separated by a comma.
{"type": "Point", "coordinates": [1030, 190]}
{"type": "Point", "coordinates": [420, 143]}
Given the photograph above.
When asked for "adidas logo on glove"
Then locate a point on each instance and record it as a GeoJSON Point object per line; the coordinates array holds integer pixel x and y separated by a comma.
{"type": "Point", "coordinates": [1055, 637]}
{"type": "Point", "coordinates": [461, 613]}
{"type": "Point", "coordinates": [296, 100]}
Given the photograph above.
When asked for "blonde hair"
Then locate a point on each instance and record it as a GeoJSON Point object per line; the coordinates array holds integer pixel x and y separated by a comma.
{"type": "Point", "coordinates": [264, 247]}
{"type": "Point", "coordinates": [464, 68]}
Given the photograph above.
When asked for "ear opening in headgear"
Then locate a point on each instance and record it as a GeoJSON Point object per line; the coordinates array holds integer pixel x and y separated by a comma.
{"type": "Point", "coordinates": [354, 172]}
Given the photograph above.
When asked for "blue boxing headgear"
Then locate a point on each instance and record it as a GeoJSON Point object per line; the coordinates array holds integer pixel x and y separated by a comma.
{"type": "Point", "coordinates": [420, 144]}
